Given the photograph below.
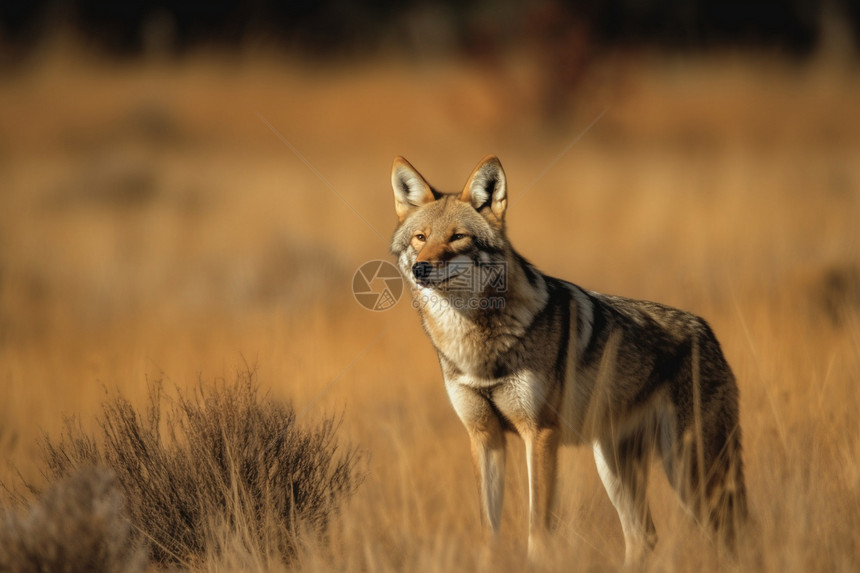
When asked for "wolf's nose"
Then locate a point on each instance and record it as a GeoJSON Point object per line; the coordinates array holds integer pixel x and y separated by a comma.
{"type": "Point", "coordinates": [422, 270]}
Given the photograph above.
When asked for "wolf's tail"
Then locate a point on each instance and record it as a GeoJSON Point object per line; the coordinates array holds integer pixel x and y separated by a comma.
{"type": "Point", "coordinates": [701, 446]}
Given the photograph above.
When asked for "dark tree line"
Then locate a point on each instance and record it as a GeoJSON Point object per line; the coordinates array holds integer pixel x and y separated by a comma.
{"type": "Point", "coordinates": [337, 27]}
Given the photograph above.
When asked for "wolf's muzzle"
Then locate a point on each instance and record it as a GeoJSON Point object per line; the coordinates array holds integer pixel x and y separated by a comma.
{"type": "Point", "coordinates": [422, 271]}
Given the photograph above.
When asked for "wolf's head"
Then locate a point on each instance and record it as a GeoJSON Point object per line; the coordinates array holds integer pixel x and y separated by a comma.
{"type": "Point", "coordinates": [451, 242]}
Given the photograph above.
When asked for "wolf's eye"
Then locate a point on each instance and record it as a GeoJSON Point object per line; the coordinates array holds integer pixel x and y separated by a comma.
{"type": "Point", "coordinates": [458, 236]}
{"type": "Point", "coordinates": [421, 237]}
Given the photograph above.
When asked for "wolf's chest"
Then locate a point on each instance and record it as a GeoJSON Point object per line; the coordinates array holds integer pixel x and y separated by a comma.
{"type": "Point", "coordinates": [481, 351]}
{"type": "Point", "coordinates": [519, 399]}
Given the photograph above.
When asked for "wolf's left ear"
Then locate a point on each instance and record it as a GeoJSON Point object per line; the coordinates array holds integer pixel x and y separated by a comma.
{"type": "Point", "coordinates": [487, 188]}
{"type": "Point", "coordinates": [410, 189]}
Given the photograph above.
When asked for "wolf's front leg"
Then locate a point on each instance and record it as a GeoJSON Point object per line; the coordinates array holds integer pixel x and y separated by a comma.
{"type": "Point", "coordinates": [541, 457]}
{"type": "Point", "coordinates": [488, 456]}
{"type": "Point", "coordinates": [488, 451]}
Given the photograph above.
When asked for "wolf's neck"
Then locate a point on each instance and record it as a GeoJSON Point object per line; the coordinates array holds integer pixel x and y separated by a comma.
{"type": "Point", "coordinates": [525, 293]}
{"type": "Point", "coordinates": [488, 323]}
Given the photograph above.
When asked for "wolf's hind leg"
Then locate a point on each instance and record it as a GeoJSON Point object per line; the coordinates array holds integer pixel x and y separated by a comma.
{"type": "Point", "coordinates": [623, 468]}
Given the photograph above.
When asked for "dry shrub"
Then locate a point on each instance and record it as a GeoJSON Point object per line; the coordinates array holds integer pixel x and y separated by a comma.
{"type": "Point", "coordinates": [77, 525]}
{"type": "Point", "coordinates": [220, 455]}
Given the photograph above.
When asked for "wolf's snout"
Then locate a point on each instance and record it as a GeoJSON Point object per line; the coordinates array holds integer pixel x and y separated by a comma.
{"type": "Point", "coordinates": [422, 270]}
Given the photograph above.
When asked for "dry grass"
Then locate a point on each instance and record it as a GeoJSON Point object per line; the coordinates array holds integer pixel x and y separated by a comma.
{"type": "Point", "coordinates": [223, 459]}
{"type": "Point", "coordinates": [151, 225]}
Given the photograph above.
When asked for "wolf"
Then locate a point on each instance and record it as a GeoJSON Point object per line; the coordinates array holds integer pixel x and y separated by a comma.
{"type": "Point", "coordinates": [557, 364]}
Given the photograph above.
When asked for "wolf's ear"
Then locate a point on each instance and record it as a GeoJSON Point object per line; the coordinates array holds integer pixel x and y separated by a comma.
{"type": "Point", "coordinates": [487, 188]}
{"type": "Point", "coordinates": [410, 189]}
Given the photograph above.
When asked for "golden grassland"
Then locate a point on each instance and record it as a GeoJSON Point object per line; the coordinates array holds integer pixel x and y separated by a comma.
{"type": "Point", "coordinates": [182, 220]}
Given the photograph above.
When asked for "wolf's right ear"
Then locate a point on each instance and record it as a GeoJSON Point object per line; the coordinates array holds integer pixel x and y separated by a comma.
{"type": "Point", "coordinates": [410, 189]}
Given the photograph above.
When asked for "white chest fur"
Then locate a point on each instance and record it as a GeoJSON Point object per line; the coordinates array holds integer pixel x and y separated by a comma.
{"type": "Point", "coordinates": [519, 398]}
{"type": "Point", "coordinates": [467, 345]}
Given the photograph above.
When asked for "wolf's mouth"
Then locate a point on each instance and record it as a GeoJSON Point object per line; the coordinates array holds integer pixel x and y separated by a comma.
{"type": "Point", "coordinates": [433, 275]}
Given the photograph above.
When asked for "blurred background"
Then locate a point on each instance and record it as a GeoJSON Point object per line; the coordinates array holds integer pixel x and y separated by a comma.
{"type": "Point", "coordinates": [415, 27]}
{"type": "Point", "coordinates": [219, 154]}
{"type": "Point", "coordinates": [186, 187]}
